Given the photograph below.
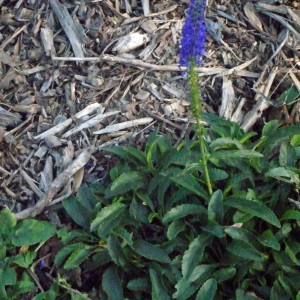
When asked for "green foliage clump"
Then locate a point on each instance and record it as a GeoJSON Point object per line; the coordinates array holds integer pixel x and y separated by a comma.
{"type": "Point", "coordinates": [155, 232]}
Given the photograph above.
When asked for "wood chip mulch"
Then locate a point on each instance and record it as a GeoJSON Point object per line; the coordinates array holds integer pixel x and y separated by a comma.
{"type": "Point", "coordinates": [80, 75]}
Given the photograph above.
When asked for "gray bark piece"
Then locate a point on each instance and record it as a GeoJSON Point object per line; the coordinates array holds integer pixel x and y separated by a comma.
{"type": "Point", "coordinates": [72, 30]}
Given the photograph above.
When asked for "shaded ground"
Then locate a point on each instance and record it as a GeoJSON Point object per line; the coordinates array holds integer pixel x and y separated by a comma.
{"type": "Point", "coordinates": [53, 107]}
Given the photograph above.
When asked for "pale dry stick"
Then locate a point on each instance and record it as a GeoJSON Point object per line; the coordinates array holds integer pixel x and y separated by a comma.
{"type": "Point", "coordinates": [18, 127]}
{"type": "Point", "coordinates": [58, 183]}
{"type": "Point", "coordinates": [259, 81]}
{"type": "Point", "coordinates": [139, 63]}
{"type": "Point", "coordinates": [4, 171]}
{"type": "Point", "coordinates": [253, 115]}
{"type": "Point", "coordinates": [63, 125]}
{"type": "Point", "coordinates": [16, 33]}
{"type": "Point", "coordinates": [124, 125]}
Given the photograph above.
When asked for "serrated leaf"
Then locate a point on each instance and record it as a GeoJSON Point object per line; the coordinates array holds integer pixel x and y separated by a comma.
{"type": "Point", "coordinates": [108, 213]}
{"type": "Point", "coordinates": [226, 154]}
{"type": "Point", "coordinates": [256, 209]}
{"type": "Point", "coordinates": [193, 255]}
{"type": "Point", "coordinates": [245, 250]}
{"type": "Point", "coordinates": [158, 290]}
{"type": "Point", "coordinates": [186, 180]}
{"type": "Point", "coordinates": [284, 174]}
{"type": "Point", "coordinates": [150, 251]}
{"type": "Point", "coordinates": [128, 181]}
{"type": "Point", "coordinates": [215, 207]}
{"type": "Point", "coordinates": [217, 174]}
{"type": "Point", "coordinates": [182, 211]}
{"type": "Point", "coordinates": [184, 289]}
{"type": "Point", "coordinates": [76, 211]}
{"type": "Point", "coordinates": [225, 143]}
{"type": "Point", "coordinates": [207, 290]}
{"type": "Point", "coordinates": [77, 257]}
{"type": "Point", "coordinates": [111, 284]}
{"type": "Point", "coordinates": [117, 254]}
{"type": "Point", "coordinates": [174, 228]}
{"type": "Point", "coordinates": [86, 197]}
{"type": "Point", "coordinates": [65, 251]}
{"type": "Point", "coordinates": [29, 232]}
{"type": "Point", "coordinates": [125, 235]}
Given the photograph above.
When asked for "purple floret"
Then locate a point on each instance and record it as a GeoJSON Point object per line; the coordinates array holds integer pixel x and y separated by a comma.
{"type": "Point", "coordinates": [193, 34]}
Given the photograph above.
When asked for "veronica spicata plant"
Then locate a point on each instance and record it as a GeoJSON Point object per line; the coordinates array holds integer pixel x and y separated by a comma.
{"type": "Point", "coordinates": [190, 53]}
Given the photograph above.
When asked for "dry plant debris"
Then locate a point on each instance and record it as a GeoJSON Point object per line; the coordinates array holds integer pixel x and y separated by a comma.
{"type": "Point", "coordinates": [79, 75]}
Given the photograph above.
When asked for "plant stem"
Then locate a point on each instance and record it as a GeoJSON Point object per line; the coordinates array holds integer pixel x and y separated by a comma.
{"type": "Point", "coordinates": [196, 106]}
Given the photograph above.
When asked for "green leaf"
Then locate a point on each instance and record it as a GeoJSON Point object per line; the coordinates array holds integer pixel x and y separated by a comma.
{"type": "Point", "coordinates": [193, 255]}
{"type": "Point", "coordinates": [217, 174]}
{"type": "Point", "coordinates": [139, 284]}
{"type": "Point", "coordinates": [245, 250]}
{"type": "Point", "coordinates": [186, 180]}
{"type": "Point", "coordinates": [76, 211]}
{"type": "Point", "coordinates": [77, 257]}
{"type": "Point", "coordinates": [117, 253]}
{"type": "Point", "coordinates": [174, 157]}
{"type": "Point", "coordinates": [284, 174]}
{"type": "Point", "coordinates": [238, 234]}
{"type": "Point", "coordinates": [291, 215]}
{"type": "Point", "coordinates": [138, 211]}
{"type": "Point", "coordinates": [289, 96]}
{"type": "Point", "coordinates": [182, 211]}
{"type": "Point", "coordinates": [29, 232]}
{"type": "Point", "coordinates": [129, 154]}
{"type": "Point", "coordinates": [111, 284]}
{"type": "Point", "coordinates": [224, 274]}
{"type": "Point", "coordinates": [257, 209]}
{"type": "Point", "coordinates": [215, 207]}
{"type": "Point", "coordinates": [270, 127]}
{"type": "Point", "coordinates": [225, 154]}
{"type": "Point", "coordinates": [150, 251]}
{"type": "Point", "coordinates": [174, 228]}
{"type": "Point", "coordinates": [223, 143]}
{"type": "Point", "coordinates": [158, 289]}
{"type": "Point", "coordinates": [8, 220]}
{"type": "Point", "coordinates": [125, 235]}
{"type": "Point", "coordinates": [128, 181]}
{"type": "Point", "coordinates": [214, 228]}
{"type": "Point", "coordinates": [107, 215]}
{"type": "Point", "coordinates": [67, 250]}
{"type": "Point", "coordinates": [287, 155]}
{"type": "Point", "coordinates": [208, 290]}
{"type": "Point", "coordinates": [268, 239]}
{"type": "Point", "coordinates": [49, 295]}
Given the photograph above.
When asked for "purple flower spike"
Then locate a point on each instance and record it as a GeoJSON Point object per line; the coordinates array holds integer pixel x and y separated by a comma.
{"type": "Point", "coordinates": [193, 34]}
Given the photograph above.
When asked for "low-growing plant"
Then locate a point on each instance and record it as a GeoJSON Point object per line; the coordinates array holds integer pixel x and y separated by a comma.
{"type": "Point", "coordinates": [154, 232]}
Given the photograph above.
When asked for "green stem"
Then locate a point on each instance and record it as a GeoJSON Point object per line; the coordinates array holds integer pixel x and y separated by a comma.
{"type": "Point", "coordinates": [196, 106]}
